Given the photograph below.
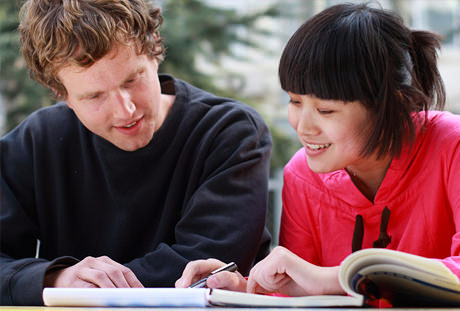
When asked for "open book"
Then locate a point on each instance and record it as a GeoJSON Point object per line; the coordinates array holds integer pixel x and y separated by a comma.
{"type": "Point", "coordinates": [402, 279]}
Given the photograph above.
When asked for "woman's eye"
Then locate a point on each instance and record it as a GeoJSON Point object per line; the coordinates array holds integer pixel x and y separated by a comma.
{"type": "Point", "coordinates": [325, 111]}
{"type": "Point", "coordinates": [294, 102]}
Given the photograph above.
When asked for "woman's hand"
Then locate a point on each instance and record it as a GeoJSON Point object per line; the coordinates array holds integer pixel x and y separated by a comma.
{"type": "Point", "coordinates": [284, 272]}
{"type": "Point", "coordinates": [199, 269]}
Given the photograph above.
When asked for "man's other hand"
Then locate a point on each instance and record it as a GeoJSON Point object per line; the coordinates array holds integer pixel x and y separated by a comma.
{"type": "Point", "coordinates": [92, 272]}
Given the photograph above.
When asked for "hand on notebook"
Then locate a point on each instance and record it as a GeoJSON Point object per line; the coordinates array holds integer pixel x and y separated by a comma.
{"type": "Point", "coordinates": [198, 269]}
{"type": "Point", "coordinates": [93, 272]}
{"type": "Point", "coordinates": [284, 272]}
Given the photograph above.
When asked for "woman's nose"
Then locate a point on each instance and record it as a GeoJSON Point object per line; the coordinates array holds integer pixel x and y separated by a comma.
{"type": "Point", "coordinates": [307, 123]}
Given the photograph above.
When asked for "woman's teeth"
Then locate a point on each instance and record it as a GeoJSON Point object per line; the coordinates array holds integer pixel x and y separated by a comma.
{"type": "Point", "coordinates": [316, 147]}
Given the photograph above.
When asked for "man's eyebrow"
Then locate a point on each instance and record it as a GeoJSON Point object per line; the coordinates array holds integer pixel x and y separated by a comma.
{"type": "Point", "coordinates": [129, 77]}
{"type": "Point", "coordinates": [88, 95]}
{"type": "Point", "coordinates": [134, 73]}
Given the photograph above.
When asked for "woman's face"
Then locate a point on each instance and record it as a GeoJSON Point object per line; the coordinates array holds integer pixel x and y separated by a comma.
{"type": "Point", "coordinates": [332, 132]}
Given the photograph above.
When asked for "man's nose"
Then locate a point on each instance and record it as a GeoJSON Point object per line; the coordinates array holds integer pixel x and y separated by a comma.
{"type": "Point", "coordinates": [123, 106]}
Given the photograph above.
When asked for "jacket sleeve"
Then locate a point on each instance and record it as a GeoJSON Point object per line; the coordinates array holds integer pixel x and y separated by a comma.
{"type": "Point", "coordinates": [21, 274]}
{"type": "Point", "coordinates": [224, 215]}
{"type": "Point", "coordinates": [453, 193]}
{"type": "Point", "coordinates": [297, 220]}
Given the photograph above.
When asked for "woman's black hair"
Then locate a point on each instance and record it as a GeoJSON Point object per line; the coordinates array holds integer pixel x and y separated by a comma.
{"type": "Point", "coordinates": [355, 52]}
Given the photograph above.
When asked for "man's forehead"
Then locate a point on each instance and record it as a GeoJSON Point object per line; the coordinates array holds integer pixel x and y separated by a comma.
{"type": "Point", "coordinates": [77, 62]}
{"type": "Point", "coordinates": [119, 57]}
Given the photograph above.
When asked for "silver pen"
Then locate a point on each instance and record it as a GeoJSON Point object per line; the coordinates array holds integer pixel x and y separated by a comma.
{"type": "Point", "coordinates": [232, 267]}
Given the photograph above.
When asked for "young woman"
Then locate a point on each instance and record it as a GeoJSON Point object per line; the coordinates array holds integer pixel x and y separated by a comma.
{"type": "Point", "coordinates": [379, 167]}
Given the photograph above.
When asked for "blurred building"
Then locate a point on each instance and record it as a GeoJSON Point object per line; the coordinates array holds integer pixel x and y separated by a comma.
{"type": "Point", "coordinates": [256, 76]}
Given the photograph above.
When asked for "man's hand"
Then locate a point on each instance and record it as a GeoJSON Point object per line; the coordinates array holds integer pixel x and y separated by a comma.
{"type": "Point", "coordinates": [93, 272]}
{"type": "Point", "coordinates": [199, 269]}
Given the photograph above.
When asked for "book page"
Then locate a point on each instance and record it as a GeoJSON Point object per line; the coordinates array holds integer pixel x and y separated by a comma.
{"type": "Point", "coordinates": [125, 297]}
{"type": "Point", "coordinates": [366, 257]}
{"type": "Point", "coordinates": [397, 276]}
{"type": "Point", "coordinates": [406, 287]}
{"type": "Point", "coordinates": [220, 297]}
{"type": "Point", "coordinates": [182, 297]}
{"type": "Point", "coordinates": [401, 258]}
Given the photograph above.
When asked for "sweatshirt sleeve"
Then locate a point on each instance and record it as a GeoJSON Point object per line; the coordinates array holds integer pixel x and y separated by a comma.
{"type": "Point", "coordinates": [18, 237]}
{"type": "Point", "coordinates": [453, 192]}
{"type": "Point", "coordinates": [21, 274]}
{"type": "Point", "coordinates": [297, 221]}
{"type": "Point", "coordinates": [450, 142]}
{"type": "Point", "coordinates": [224, 216]}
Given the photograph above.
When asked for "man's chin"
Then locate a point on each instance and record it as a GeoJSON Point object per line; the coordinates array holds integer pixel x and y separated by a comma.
{"type": "Point", "coordinates": [129, 147]}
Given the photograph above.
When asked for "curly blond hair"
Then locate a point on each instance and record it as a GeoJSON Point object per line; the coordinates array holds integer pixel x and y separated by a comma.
{"type": "Point", "coordinates": [56, 33]}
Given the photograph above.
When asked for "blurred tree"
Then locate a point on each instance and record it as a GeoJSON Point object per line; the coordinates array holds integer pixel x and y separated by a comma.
{"type": "Point", "coordinates": [20, 94]}
{"type": "Point", "coordinates": [192, 29]}
{"type": "Point", "coordinates": [284, 147]}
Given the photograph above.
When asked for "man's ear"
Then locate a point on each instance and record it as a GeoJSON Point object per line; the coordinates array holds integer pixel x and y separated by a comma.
{"type": "Point", "coordinates": [58, 97]}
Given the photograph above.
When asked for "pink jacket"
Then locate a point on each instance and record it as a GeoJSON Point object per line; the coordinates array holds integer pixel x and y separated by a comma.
{"type": "Point", "coordinates": [421, 189]}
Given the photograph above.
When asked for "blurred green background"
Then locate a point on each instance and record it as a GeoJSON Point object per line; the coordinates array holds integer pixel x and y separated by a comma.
{"type": "Point", "coordinates": [192, 30]}
{"type": "Point", "coordinates": [231, 48]}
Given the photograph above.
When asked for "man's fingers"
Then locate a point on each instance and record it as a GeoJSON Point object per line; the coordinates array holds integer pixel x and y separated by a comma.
{"type": "Point", "coordinates": [196, 270]}
{"type": "Point", "coordinates": [105, 271]}
{"type": "Point", "coordinates": [202, 268]}
{"type": "Point", "coordinates": [133, 281]}
{"type": "Point", "coordinates": [227, 280]}
{"type": "Point", "coordinates": [120, 275]}
{"type": "Point", "coordinates": [97, 272]}
{"type": "Point", "coordinates": [96, 277]}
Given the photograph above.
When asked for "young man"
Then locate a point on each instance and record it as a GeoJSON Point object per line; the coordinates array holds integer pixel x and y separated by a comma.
{"type": "Point", "coordinates": [135, 174]}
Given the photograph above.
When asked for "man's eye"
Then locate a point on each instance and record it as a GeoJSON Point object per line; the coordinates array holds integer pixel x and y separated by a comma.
{"type": "Point", "coordinates": [130, 82]}
{"type": "Point", "coordinates": [134, 78]}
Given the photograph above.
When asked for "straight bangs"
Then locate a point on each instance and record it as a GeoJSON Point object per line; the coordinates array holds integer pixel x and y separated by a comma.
{"type": "Point", "coordinates": [327, 55]}
{"type": "Point", "coordinates": [353, 52]}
